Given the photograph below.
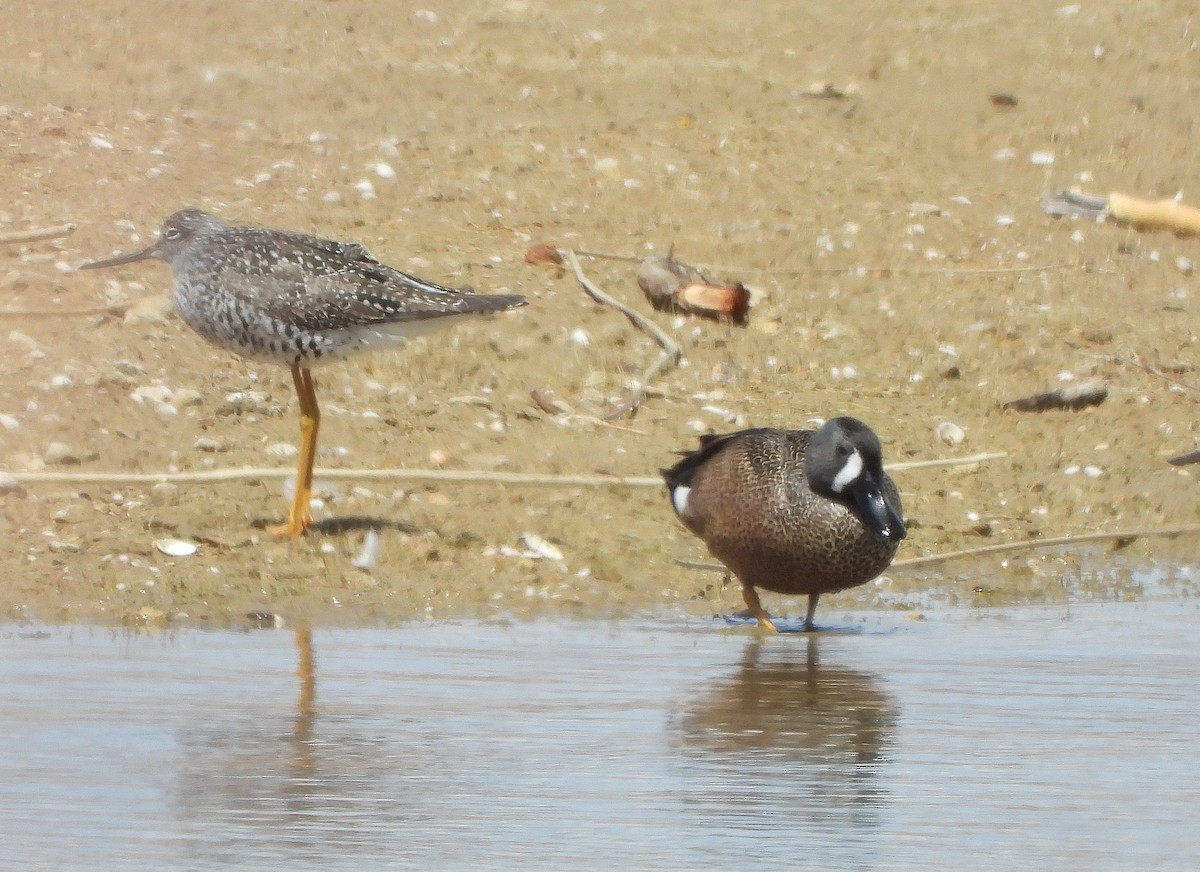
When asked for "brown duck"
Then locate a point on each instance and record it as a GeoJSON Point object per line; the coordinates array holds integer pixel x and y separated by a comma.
{"type": "Point", "coordinates": [793, 511]}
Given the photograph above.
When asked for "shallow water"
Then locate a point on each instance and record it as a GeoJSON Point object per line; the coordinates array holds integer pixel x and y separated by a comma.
{"type": "Point", "coordinates": [1005, 739]}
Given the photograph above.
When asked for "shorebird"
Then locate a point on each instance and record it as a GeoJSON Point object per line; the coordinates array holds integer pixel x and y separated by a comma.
{"type": "Point", "coordinates": [793, 511]}
{"type": "Point", "coordinates": [298, 301]}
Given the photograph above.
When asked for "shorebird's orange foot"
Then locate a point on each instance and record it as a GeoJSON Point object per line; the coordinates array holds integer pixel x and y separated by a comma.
{"type": "Point", "coordinates": [294, 528]}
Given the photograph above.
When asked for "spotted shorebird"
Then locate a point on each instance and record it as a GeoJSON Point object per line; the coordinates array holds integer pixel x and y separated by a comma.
{"type": "Point", "coordinates": [299, 301]}
{"type": "Point", "coordinates": [793, 511]}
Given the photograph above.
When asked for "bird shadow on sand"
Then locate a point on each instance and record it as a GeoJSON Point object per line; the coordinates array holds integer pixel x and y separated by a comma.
{"type": "Point", "coordinates": [340, 526]}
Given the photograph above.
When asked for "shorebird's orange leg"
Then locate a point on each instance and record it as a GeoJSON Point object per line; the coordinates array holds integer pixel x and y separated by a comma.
{"type": "Point", "coordinates": [750, 595]}
{"type": "Point", "coordinates": [300, 515]}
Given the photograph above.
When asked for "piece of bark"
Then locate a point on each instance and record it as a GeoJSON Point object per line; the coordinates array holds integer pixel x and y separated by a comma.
{"type": "Point", "coordinates": [1076, 396]}
{"type": "Point", "coordinates": [673, 286]}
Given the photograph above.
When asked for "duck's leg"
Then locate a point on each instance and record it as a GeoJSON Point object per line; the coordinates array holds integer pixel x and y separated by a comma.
{"type": "Point", "coordinates": [300, 515]}
{"type": "Point", "coordinates": [809, 626]}
{"type": "Point", "coordinates": [750, 595]}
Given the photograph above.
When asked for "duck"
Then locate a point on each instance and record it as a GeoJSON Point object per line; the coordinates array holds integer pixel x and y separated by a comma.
{"type": "Point", "coordinates": [801, 512]}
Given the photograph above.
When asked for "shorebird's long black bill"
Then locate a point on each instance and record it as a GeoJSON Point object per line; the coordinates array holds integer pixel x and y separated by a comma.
{"type": "Point", "coordinates": [877, 512]}
{"type": "Point", "coordinates": [131, 257]}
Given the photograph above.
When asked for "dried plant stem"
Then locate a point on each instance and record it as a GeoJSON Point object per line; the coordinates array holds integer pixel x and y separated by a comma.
{"type": "Point", "coordinates": [669, 356]}
{"type": "Point", "coordinates": [1003, 547]}
{"type": "Point", "coordinates": [838, 270]}
{"type": "Point", "coordinates": [115, 309]}
{"type": "Point", "coordinates": [37, 234]}
{"type": "Point", "coordinates": [396, 474]}
{"type": "Point", "coordinates": [1158, 373]}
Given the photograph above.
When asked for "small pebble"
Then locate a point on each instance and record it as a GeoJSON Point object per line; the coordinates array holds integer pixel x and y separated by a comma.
{"type": "Point", "coordinates": [151, 394]}
{"type": "Point", "coordinates": [950, 433]}
{"type": "Point", "coordinates": [185, 397]}
{"type": "Point", "coordinates": [283, 450]}
{"type": "Point", "coordinates": [248, 402]}
{"type": "Point", "coordinates": [61, 453]}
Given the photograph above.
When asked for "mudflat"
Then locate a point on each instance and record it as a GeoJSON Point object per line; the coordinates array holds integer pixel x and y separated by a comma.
{"type": "Point", "coordinates": [872, 175]}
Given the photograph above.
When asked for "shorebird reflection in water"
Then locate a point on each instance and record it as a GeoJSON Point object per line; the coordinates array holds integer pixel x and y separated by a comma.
{"type": "Point", "coordinates": [298, 301]}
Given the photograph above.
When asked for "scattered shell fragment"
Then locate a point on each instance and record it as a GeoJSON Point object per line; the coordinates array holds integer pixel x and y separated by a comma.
{"type": "Point", "coordinates": [253, 402]}
{"type": "Point", "coordinates": [372, 548]}
{"type": "Point", "coordinates": [673, 286]}
{"type": "Point", "coordinates": [540, 548]}
{"type": "Point", "coordinates": [176, 547]}
{"type": "Point", "coordinates": [284, 450]}
{"type": "Point", "coordinates": [61, 453]}
{"type": "Point", "coordinates": [1181, 460]}
{"type": "Point", "coordinates": [152, 394]}
{"type": "Point", "coordinates": [1073, 396]}
{"type": "Point", "coordinates": [207, 444]}
{"type": "Point", "coordinates": [950, 433]}
{"type": "Point", "coordinates": [185, 397]}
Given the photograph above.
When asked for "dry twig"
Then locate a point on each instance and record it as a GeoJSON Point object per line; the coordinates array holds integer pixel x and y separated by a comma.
{"type": "Point", "coordinates": [1002, 547]}
{"type": "Point", "coordinates": [841, 270]}
{"type": "Point", "coordinates": [115, 309]}
{"type": "Point", "coordinates": [37, 234]}
{"type": "Point", "coordinates": [668, 357]}
{"type": "Point", "coordinates": [442, 475]}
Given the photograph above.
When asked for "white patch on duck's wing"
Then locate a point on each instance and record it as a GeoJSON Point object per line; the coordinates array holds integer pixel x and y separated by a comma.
{"type": "Point", "coordinates": [679, 498]}
{"type": "Point", "coordinates": [849, 472]}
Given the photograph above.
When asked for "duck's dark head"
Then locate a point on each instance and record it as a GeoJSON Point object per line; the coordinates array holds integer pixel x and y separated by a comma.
{"type": "Point", "coordinates": [844, 461]}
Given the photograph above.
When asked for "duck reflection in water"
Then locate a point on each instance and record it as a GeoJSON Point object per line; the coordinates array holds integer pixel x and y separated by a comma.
{"type": "Point", "coordinates": [788, 734]}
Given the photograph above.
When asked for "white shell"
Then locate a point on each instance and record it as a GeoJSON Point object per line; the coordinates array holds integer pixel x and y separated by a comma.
{"type": "Point", "coordinates": [176, 547]}
{"type": "Point", "coordinates": [540, 548]}
{"type": "Point", "coordinates": [950, 433]}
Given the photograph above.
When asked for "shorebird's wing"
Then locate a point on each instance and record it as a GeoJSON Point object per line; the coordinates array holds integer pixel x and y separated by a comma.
{"type": "Point", "coordinates": [319, 284]}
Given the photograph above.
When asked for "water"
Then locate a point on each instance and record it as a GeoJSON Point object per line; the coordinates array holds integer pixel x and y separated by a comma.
{"type": "Point", "coordinates": [1007, 739]}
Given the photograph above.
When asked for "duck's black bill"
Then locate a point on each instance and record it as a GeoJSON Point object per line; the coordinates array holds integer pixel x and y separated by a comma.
{"type": "Point", "coordinates": [118, 260]}
{"type": "Point", "coordinates": [877, 512]}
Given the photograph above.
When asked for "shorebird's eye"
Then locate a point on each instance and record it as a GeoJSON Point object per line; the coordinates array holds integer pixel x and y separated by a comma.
{"type": "Point", "coordinates": [171, 233]}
